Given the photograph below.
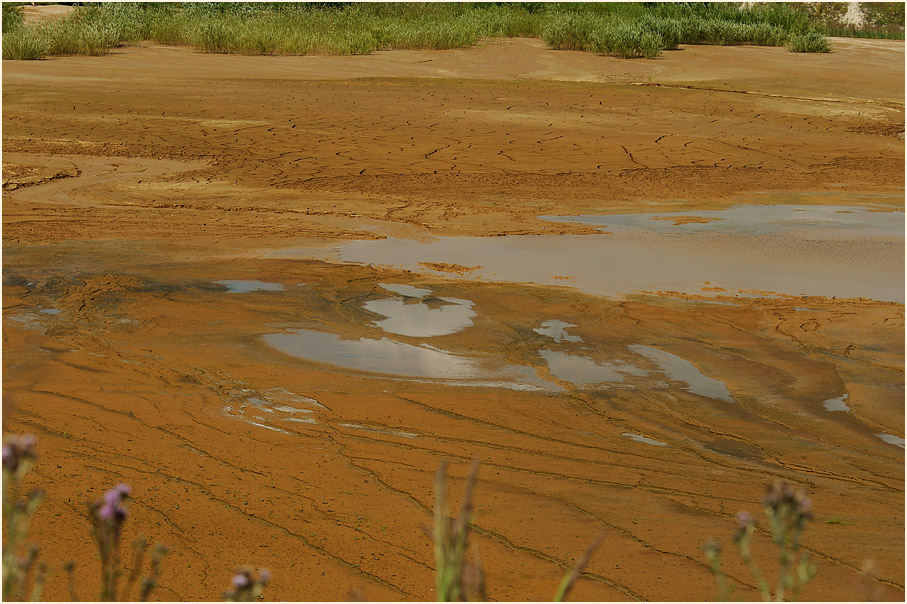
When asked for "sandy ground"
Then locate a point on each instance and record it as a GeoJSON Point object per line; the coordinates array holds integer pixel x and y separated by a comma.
{"type": "Point", "coordinates": [35, 13]}
{"type": "Point", "coordinates": [132, 182]}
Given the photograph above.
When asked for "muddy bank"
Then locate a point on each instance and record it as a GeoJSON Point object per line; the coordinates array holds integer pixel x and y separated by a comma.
{"type": "Point", "coordinates": [288, 409]}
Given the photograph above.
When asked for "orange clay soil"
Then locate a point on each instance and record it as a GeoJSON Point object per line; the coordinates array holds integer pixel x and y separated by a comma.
{"type": "Point", "coordinates": [135, 180]}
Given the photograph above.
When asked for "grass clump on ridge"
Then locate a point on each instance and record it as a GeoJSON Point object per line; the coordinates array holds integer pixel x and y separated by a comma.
{"type": "Point", "coordinates": [811, 41]}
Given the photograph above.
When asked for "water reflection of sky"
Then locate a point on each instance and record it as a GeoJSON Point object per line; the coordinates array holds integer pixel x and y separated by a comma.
{"type": "Point", "coordinates": [682, 370]}
{"type": "Point", "coordinates": [243, 286]}
{"type": "Point", "coordinates": [796, 250]}
{"type": "Point", "coordinates": [419, 319]}
{"type": "Point", "coordinates": [389, 357]}
{"type": "Point", "coordinates": [557, 331]}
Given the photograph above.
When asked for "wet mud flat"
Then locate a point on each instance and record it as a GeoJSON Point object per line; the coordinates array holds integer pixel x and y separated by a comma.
{"type": "Point", "coordinates": [198, 313]}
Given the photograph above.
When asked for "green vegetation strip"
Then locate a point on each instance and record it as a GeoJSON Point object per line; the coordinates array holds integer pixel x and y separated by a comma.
{"type": "Point", "coordinates": [625, 30]}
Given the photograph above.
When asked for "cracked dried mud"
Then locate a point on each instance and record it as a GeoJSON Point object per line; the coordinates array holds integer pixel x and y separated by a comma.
{"type": "Point", "coordinates": [140, 186]}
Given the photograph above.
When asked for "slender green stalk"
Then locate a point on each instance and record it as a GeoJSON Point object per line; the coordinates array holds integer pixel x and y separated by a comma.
{"type": "Point", "coordinates": [70, 568]}
{"type": "Point", "coordinates": [18, 454]}
{"type": "Point", "coordinates": [743, 545]}
{"type": "Point", "coordinates": [38, 587]}
{"type": "Point", "coordinates": [454, 577]}
{"type": "Point", "coordinates": [573, 576]}
{"type": "Point", "coordinates": [712, 552]}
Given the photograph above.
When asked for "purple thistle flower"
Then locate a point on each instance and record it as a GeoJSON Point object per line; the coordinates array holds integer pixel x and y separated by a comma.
{"type": "Point", "coordinates": [110, 508]}
{"type": "Point", "coordinates": [107, 512]}
{"type": "Point", "coordinates": [112, 497]}
{"type": "Point", "coordinates": [9, 458]}
{"type": "Point", "coordinates": [241, 580]}
{"type": "Point", "coordinates": [17, 450]}
{"type": "Point", "coordinates": [264, 577]}
{"type": "Point", "coordinates": [744, 519]}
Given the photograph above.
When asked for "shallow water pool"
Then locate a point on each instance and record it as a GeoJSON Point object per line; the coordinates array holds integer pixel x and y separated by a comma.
{"type": "Point", "coordinates": [242, 286]}
{"type": "Point", "coordinates": [393, 358]}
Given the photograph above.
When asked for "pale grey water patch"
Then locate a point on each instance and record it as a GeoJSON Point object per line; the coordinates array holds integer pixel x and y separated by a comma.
{"type": "Point", "coordinates": [556, 330]}
{"type": "Point", "coordinates": [390, 357]}
{"type": "Point", "coordinates": [261, 425]}
{"type": "Point", "coordinates": [263, 401]}
{"type": "Point", "coordinates": [515, 386]}
{"type": "Point", "coordinates": [287, 409]}
{"type": "Point", "coordinates": [373, 356]}
{"type": "Point", "coordinates": [420, 320]}
{"type": "Point", "coordinates": [837, 404]}
{"type": "Point", "coordinates": [644, 439]}
{"type": "Point", "coordinates": [682, 370]}
{"type": "Point", "coordinates": [241, 286]}
{"type": "Point", "coordinates": [579, 370]}
{"type": "Point", "coordinates": [796, 250]}
{"type": "Point", "coordinates": [299, 420]}
{"type": "Point", "coordinates": [406, 290]}
{"type": "Point", "coordinates": [891, 439]}
{"type": "Point", "coordinates": [628, 368]}
{"type": "Point", "coordinates": [28, 320]}
{"type": "Point", "coordinates": [811, 221]}
{"type": "Point", "coordinates": [50, 311]}
{"type": "Point", "coordinates": [291, 397]}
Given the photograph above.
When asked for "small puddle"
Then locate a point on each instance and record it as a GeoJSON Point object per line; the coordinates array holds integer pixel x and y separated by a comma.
{"type": "Point", "coordinates": [644, 439]}
{"type": "Point", "coordinates": [389, 357]}
{"type": "Point", "coordinates": [891, 439]}
{"type": "Point", "coordinates": [556, 330]}
{"type": "Point", "coordinates": [50, 311]}
{"type": "Point", "coordinates": [837, 404]}
{"type": "Point", "coordinates": [582, 371]}
{"type": "Point", "coordinates": [266, 426]}
{"type": "Point", "coordinates": [425, 318]}
{"type": "Point", "coordinates": [240, 286]}
{"type": "Point", "coordinates": [275, 403]}
{"type": "Point", "coordinates": [682, 370]}
{"type": "Point", "coordinates": [28, 320]}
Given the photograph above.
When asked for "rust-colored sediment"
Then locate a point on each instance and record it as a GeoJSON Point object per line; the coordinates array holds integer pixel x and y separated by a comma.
{"type": "Point", "coordinates": [135, 180]}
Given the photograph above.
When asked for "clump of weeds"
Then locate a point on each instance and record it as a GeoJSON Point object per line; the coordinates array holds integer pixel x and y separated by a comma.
{"type": "Point", "coordinates": [620, 29]}
{"type": "Point", "coordinates": [788, 510]}
{"type": "Point", "coordinates": [108, 516]}
{"type": "Point", "coordinates": [456, 578]}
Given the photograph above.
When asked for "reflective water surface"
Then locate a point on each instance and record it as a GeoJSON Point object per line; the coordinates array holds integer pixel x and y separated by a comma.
{"type": "Point", "coordinates": [421, 319]}
{"type": "Point", "coordinates": [579, 370]}
{"type": "Point", "coordinates": [556, 330]}
{"type": "Point", "coordinates": [241, 286]}
{"type": "Point", "coordinates": [797, 250]}
{"type": "Point", "coordinates": [891, 439]}
{"type": "Point", "coordinates": [837, 404]}
{"type": "Point", "coordinates": [386, 356]}
{"type": "Point", "coordinates": [793, 220]}
{"type": "Point", "coordinates": [644, 439]}
{"type": "Point", "coordinates": [682, 370]}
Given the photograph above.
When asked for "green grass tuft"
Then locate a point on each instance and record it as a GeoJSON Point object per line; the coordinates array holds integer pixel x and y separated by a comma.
{"type": "Point", "coordinates": [13, 17]}
{"type": "Point", "coordinates": [23, 45]}
{"type": "Point", "coordinates": [811, 41]}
